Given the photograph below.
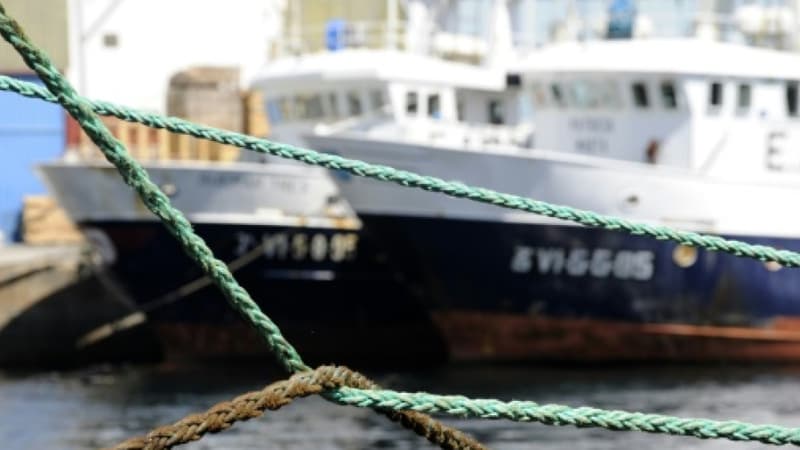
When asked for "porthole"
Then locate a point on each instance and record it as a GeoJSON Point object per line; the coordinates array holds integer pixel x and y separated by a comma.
{"type": "Point", "coordinates": [684, 256]}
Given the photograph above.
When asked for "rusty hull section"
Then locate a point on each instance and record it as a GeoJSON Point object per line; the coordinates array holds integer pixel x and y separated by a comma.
{"type": "Point", "coordinates": [476, 336]}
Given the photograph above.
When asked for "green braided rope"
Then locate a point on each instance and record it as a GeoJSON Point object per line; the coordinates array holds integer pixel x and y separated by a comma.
{"type": "Point", "coordinates": [584, 417]}
{"type": "Point", "coordinates": [155, 200]}
{"type": "Point", "coordinates": [786, 258]}
{"type": "Point", "coordinates": [459, 406]}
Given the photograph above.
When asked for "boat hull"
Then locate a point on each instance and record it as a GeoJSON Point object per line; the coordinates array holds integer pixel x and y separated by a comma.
{"type": "Point", "coordinates": [328, 291]}
{"type": "Point", "coordinates": [480, 336]}
{"type": "Point", "coordinates": [417, 290]}
{"type": "Point", "coordinates": [520, 291]}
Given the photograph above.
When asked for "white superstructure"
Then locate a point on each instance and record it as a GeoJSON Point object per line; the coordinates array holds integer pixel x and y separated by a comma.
{"type": "Point", "coordinates": [697, 134]}
{"type": "Point", "coordinates": [344, 84]}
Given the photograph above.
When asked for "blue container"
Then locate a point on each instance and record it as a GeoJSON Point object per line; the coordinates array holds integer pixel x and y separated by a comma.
{"type": "Point", "coordinates": [622, 15]}
{"type": "Point", "coordinates": [31, 131]}
{"type": "Point", "coordinates": [335, 34]}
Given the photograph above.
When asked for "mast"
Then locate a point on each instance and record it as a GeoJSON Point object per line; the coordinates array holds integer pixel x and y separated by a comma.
{"type": "Point", "coordinates": [795, 37]}
{"type": "Point", "coordinates": [391, 23]}
{"type": "Point", "coordinates": [707, 27]}
{"type": "Point", "coordinates": [418, 29]}
{"type": "Point", "coordinates": [501, 46]}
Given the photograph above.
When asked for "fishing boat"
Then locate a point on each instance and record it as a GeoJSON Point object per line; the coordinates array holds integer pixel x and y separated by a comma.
{"type": "Point", "coordinates": [646, 129]}
{"type": "Point", "coordinates": [283, 228]}
{"type": "Point", "coordinates": [686, 133]}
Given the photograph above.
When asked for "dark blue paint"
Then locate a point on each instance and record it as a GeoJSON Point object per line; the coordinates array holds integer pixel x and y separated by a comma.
{"type": "Point", "coordinates": [363, 310]}
{"type": "Point", "coordinates": [405, 266]}
{"type": "Point", "coordinates": [378, 303]}
{"type": "Point", "coordinates": [467, 265]}
{"type": "Point", "coordinates": [31, 132]}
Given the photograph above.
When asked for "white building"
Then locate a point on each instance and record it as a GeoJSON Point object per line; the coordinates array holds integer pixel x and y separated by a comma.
{"type": "Point", "coordinates": [125, 51]}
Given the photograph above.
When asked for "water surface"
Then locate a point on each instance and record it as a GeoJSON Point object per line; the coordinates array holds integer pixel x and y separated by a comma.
{"type": "Point", "coordinates": [96, 407]}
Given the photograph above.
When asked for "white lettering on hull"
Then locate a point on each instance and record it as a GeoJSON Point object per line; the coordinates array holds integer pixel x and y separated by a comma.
{"type": "Point", "coordinates": [581, 262]}
{"type": "Point", "coordinates": [316, 247]}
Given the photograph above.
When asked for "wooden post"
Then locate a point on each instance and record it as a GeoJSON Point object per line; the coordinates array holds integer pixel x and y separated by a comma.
{"type": "Point", "coordinates": [203, 150]}
{"type": "Point", "coordinates": [184, 147]}
{"type": "Point", "coordinates": [255, 118]}
{"type": "Point", "coordinates": [162, 145]}
{"type": "Point", "coordinates": [229, 153]}
{"type": "Point", "coordinates": [123, 133]}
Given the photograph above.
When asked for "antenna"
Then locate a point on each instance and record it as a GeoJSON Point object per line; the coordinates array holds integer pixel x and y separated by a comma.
{"type": "Point", "coordinates": [501, 44]}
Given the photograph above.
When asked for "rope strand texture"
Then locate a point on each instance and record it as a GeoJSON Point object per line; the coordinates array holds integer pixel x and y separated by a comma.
{"type": "Point", "coordinates": [253, 404]}
{"type": "Point", "coordinates": [583, 417]}
{"type": "Point", "coordinates": [337, 380]}
{"type": "Point", "coordinates": [786, 258]}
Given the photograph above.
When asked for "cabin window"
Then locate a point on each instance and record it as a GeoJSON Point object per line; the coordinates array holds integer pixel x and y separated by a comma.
{"type": "Point", "coordinates": [715, 95]}
{"type": "Point", "coordinates": [333, 104]}
{"type": "Point", "coordinates": [791, 98]}
{"type": "Point", "coordinates": [354, 103]}
{"type": "Point", "coordinates": [743, 97]}
{"type": "Point", "coordinates": [539, 96]}
{"type": "Point", "coordinates": [668, 96]}
{"type": "Point", "coordinates": [110, 40]}
{"type": "Point", "coordinates": [299, 107]}
{"type": "Point", "coordinates": [308, 106]}
{"type": "Point", "coordinates": [274, 111]}
{"type": "Point", "coordinates": [640, 99]}
{"type": "Point", "coordinates": [376, 99]}
{"type": "Point", "coordinates": [314, 108]}
{"type": "Point", "coordinates": [279, 109]}
{"type": "Point", "coordinates": [460, 110]}
{"type": "Point", "coordinates": [608, 94]}
{"type": "Point", "coordinates": [411, 103]}
{"type": "Point", "coordinates": [525, 109]}
{"type": "Point", "coordinates": [558, 95]}
{"type": "Point", "coordinates": [434, 106]}
{"type": "Point", "coordinates": [496, 113]}
{"type": "Point", "coordinates": [584, 94]}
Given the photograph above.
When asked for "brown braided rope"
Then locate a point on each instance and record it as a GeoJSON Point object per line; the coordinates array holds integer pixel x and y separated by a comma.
{"type": "Point", "coordinates": [247, 406]}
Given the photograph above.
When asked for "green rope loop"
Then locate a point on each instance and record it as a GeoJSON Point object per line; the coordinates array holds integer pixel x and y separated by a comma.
{"type": "Point", "coordinates": [786, 258]}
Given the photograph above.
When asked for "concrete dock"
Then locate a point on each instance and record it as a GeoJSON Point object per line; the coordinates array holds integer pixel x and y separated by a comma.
{"type": "Point", "coordinates": [29, 273]}
{"type": "Point", "coordinates": [50, 296]}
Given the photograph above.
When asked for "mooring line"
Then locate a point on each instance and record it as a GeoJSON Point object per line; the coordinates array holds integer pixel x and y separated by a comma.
{"type": "Point", "coordinates": [110, 328]}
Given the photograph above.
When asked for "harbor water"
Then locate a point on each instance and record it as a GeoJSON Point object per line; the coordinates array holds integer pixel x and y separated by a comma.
{"type": "Point", "coordinates": [92, 408]}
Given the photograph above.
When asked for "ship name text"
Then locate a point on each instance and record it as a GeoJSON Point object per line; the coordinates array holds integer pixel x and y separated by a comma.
{"type": "Point", "coordinates": [300, 246]}
{"type": "Point", "coordinates": [582, 262]}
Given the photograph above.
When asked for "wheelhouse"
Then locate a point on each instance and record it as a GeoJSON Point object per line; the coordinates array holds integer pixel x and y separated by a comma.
{"type": "Point", "coordinates": [679, 103]}
{"type": "Point", "coordinates": [419, 97]}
